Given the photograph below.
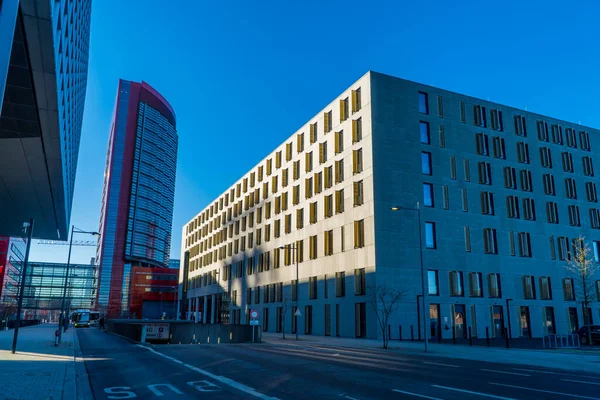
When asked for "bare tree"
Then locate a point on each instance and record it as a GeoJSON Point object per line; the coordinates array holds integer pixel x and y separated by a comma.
{"type": "Point", "coordinates": [384, 301]}
{"type": "Point", "coordinates": [582, 267]}
{"type": "Point", "coordinates": [286, 304]}
{"type": "Point", "coordinates": [8, 310]}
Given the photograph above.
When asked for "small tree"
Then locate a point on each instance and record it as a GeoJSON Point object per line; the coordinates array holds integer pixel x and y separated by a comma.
{"type": "Point", "coordinates": [286, 304]}
{"type": "Point", "coordinates": [582, 267]}
{"type": "Point", "coordinates": [384, 301]}
{"type": "Point", "coordinates": [8, 310]}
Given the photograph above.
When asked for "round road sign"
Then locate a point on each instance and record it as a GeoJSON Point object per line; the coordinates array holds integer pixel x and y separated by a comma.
{"type": "Point", "coordinates": [254, 314]}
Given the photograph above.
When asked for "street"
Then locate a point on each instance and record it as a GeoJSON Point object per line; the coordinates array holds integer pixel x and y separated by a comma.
{"type": "Point", "coordinates": [298, 370]}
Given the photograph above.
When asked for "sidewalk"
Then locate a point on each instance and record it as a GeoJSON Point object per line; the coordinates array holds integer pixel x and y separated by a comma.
{"type": "Point", "coordinates": [571, 360]}
{"type": "Point", "coordinates": [40, 370]}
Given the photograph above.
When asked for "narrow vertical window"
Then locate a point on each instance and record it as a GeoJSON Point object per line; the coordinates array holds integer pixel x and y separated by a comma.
{"type": "Point", "coordinates": [423, 103]}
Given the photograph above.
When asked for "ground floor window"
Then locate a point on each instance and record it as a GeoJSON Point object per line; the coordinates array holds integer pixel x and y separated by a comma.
{"type": "Point", "coordinates": [327, 320]}
{"type": "Point", "coordinates": [360, 320]}
{"type": "Point", "coordinates": [308, 320]}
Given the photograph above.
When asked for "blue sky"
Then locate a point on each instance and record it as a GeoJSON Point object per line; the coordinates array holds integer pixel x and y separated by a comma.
{"type": "Point", "coordinates": [242, 76]}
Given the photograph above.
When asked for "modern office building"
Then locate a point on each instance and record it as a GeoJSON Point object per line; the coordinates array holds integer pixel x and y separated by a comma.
{"type": "Point", "coordinates": [498, 194]}
{"type": "Point", "coordinates": [12, 254]}
{"type": "Point", "coordinates": [139, 190]}
{"type": "Point", "coordinates": [153, 292]}
{"type": "Point", "coordinates": [43, 78]}
{"type": "Point", "coordinates": [44, 288]}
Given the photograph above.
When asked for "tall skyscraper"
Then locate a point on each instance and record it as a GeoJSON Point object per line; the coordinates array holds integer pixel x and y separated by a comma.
{"type": "Point", "coordinates": [139, 190]}
{"type": "Point", "coordinates": [43, 77]}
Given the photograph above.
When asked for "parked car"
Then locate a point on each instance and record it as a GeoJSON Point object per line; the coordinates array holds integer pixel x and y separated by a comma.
{"type": "Point", "coordinates": [583, 334]}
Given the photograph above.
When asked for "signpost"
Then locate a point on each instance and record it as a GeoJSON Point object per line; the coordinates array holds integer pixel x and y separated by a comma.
{"type": "Point", "coordinates": [157, 331]}
{"type": "Point", "coordinates": [253, 321]}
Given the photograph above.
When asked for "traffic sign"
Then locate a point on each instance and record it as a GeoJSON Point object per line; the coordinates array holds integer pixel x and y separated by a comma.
{"type": "Point", "coordinates": [253, 322]}
{"type": "Point", "coordinates": [254, 314]}
{"type": "Point", "coordinates": [297, 313]}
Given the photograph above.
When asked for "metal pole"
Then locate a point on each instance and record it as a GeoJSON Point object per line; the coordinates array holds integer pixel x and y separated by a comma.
{"type": "Point", "coordinates": [62, 318]}
{"type": "Point", "coordinates": [508, 319]}
{"type": "Point", "coordinates": [423, 281]}
{"type": "Point", "coordinates": [419, 316]}
{"type": "Point", "coordinates": [22, 287]}
{"type": "Point", "coordinates": [297, 290]}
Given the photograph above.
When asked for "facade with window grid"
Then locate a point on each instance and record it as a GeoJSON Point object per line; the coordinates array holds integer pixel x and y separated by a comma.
{"type": "Point", "coordinates": [499, 203]}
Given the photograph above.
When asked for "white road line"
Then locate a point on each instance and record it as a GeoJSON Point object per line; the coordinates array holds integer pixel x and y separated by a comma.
{"type": "Point", "coordinates": [545, 391]}
{"type": "Point", "coordinates": [416, 395]}
{"type": "Point", "coordinates": [503, 372]}
{"type": "Point", "coordinates": [589, 383]}
{"type": "Point", "coordinates": [222, 379]}
{"type": "Point", "coordinates": [475, 393]}
{"type": "Point", "coordinates": [534, 370]}
{"type": "Point", "coordinates": [443, 365]}
{"type": "Point", "coordinates": [350, 398]}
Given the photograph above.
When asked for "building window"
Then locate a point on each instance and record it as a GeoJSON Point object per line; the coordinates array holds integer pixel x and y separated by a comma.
{"type": "Point", "coordinates": [571, 137]}
{"type": "Point", "coordinates": [322, 152]}
{"type": "Point", "coordinates": [357, 161]}
{"type": "Point", "coordinates": [455, 279]}
{"type": "Point", "coordinates": [557, 135]}
{"type": "Point", "coordinates": [327, 122]}
{"type": "Point", "coordinates": [549, 188]}
{"type": "Point", "coordinates": [567, 162]}
{"type": "Point", "coordinates": [512, 207]}
{"type": "Point", "coordinates": [356, 100]}
{"type": "Point", "coordinates": [485, 173]}
{"type": "Point", "coordinates": [339, 171]}
{"type": "Point", "coordinates": [523, 152]}
{"type": "Point", "coordinates": [445, 200]}
{"type": "Point", "coordinates": [433, 283]}
{"type": "Point", "coordinates": [428, 194]}
{"type": "Point", "coordinates": [529, 209]}
{"type": "Point", "coordinates": [526, 181]}
{"type": "Point", "coordinates": [497, 123]}
{"type": "Point", "coordinates": [552, 212]}
{"type": "Point", "coordinates": [360, 284]}
{"type": "Point", "coordinates": [339, 201]}
{"type": "Point", "coordinates": [358, 193]}
{"type": "Point", "coordinates": [542, 128]}
{"type": "Point", "coordinates": [588, 166]}
{"type": "Point", "coordinates": [339, 142]}
{"type": "Point", "coordinates": [356, 130]}
{"type": "Point", "coordinates": [340, 284]}
{"type": "Point", "coordinates": [299, 146]}
{"type": "Point", "coordinates": [510, 178]}
{"type": "Point", "coordinates": [423, 103]}
{"type": "Point", "coordinates": [568, 288]}
{"type": "Point", "coordinates": [545, 288]}
{"type": "Point", "coordinates": [442, 136]}
{"type": "Point", "coordinates": [344, 109]}
{"type": "Point", "coordinates": [440, 107]}
{"type": "Point", "coordinates": [313, 133]}
{"type": "Point", "coordinates": [480, 116]}
{"type": "Point", "coordinates": [467, 239]}
{"type": "Point", "coordinates": [452, 167]}
{"type": "Point", "coordinates": [563, 248]}
{"type": "Point", "coordinates": [494, 288]}
{"type": "Point", "coordinates": [596, 251]}
{"type": "Point", "coordinates": [584, 139]}
{"type": "Point", "coordinates": [430, 239]}
{"type": "Point", "coordinates": [570, 188]}
{"type": "Point", "coordinates": [312, 287]}
{"type": "Point", "coordinates": [520, 125]}
{"type": "Point", "coordinates": [487, 203]}
{"type": "Point", "coordinates": [546, 157]}
{"type": "Point", "coordinates": [475, 284]}
{"type": "Point", "coordinates": [467, 170]}
{"type": "Point", "coordinates": [490, 242]}
{"type": "Point", "coordinates": [528, 287]}
{"type": "Point", "coordinates": [426, 163]}
{"type": "Point", "coordinates": [312, 251]}
{"type": "Point", "coordinates": [328, 238]}
{"type": "Point", "coordinates": [425, 135]}
{"type": "Point", "coordinates": [482, 144]}
{"type": "Point", "coordinates": [499, 147]}
{"type": "Point", "coordinates": [524, 244]}
{"type": "Point", "coordinates": [328, 206]}
{"type": "Point", "coordinates": [359, 234]}
{"type": "Point", "coordinates": [463, 113]}
{"type": "Point", "coordinates": [592, 194]}
{"type": "Point", "coordinates": [595, 218]}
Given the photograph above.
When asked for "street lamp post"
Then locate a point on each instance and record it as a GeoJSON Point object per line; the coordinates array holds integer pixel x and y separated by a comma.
{"type": "Point", "coordinates": [295, 248]}
{"type": "Point", "coordinates": [508, 318]}
{"type": "Point", "coordinates": [28, 226]}
{"type": "Point", "coordinates": [62, 318]}
{"type": "Point", "coordinates": [423, 276]}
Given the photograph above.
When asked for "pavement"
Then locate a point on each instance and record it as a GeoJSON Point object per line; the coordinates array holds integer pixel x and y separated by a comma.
{"type": "Point", "coordinates": [40, 370]}
{"type": "Point", "coordinates": [323, 368]}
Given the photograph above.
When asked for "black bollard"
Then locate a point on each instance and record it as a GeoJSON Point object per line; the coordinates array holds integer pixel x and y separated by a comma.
{"type": "Point", "coordinates": [487, 336]}
{"type": "Point", "coordinates": [470, 338]}
{"type": "Point", "coordinates": [400, 331]}
{"type": "Point", "coordinates": [412, 334]}
{"type": "Point", "coordinates": [453, 335]}
{"type": "Point", "coordinates": [389, 332]}
{"type": "Point", "coordinates": [506, 337]}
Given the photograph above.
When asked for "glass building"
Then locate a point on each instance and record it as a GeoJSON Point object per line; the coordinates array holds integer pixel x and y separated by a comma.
{"type": "Point", "coordinates": [12, 252]}
{"type": "Point", "coordinates": [44, 49]}
{"type": "Point", "coordinates": [139, 190]}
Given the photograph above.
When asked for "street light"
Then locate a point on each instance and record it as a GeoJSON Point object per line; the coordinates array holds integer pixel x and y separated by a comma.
{"type": "Point", "coordinates": [295, 248]}
{"type": "Point", "coordinates": [62, 318]}
{"type": "Point", "coordinates": [28, 229]}
{"type": "Point", "coordinates": [423, 277]}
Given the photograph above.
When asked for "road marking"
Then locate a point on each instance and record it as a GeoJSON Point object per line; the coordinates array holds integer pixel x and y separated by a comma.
{"type": "Point", "coordinates": [416, 395]}
{"type": "Point", "coordinates": [545, 391]}
{"type": "Point", "coordinates": [222, 379]}
{"type": "Point", "coordinates": [589, 383]}
{"type": "Point", "coordinates": [443, 365]}
{"type": "Point", "coordinates": [534, 370]}
{"type": "Point", "coordinates": [350, 398]}
{"type": "Point", "coordinates": [475, 393]}
{"type": "Point", "coordinates": [503, 372]}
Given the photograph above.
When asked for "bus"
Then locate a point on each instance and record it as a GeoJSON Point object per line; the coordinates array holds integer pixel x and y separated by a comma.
{"type": "Point", "coordinates": [81, 318]}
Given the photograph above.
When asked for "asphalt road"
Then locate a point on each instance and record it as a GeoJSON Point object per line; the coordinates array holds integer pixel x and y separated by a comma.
{"type": "Point", "coordinates": [291, 370]}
